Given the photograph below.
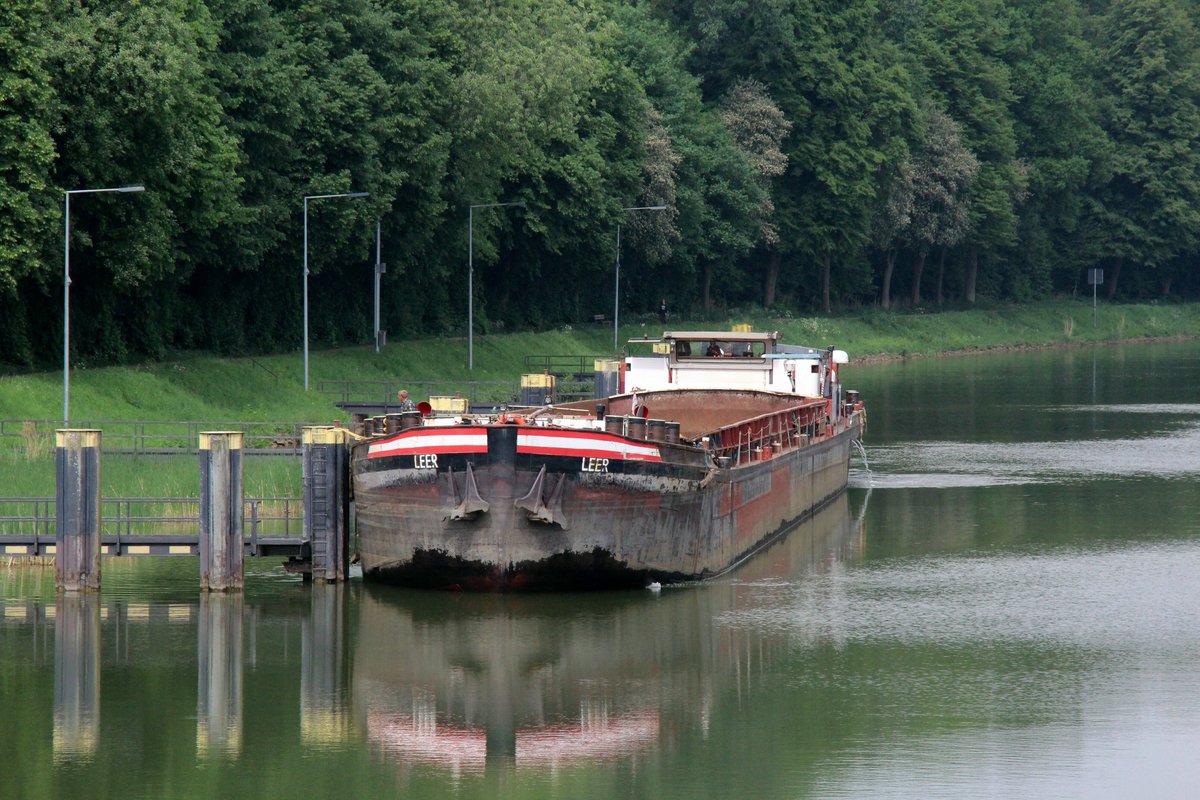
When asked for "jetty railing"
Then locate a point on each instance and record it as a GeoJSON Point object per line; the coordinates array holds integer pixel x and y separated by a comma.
{"type": "Point", "coordinates": [130, 517]}
{"type": "Point", "coordinates": [36, 437]}
{"type": "Point", "coordinates": [383, 393]}
{"type": "Point", "coordinates": [576, 368]}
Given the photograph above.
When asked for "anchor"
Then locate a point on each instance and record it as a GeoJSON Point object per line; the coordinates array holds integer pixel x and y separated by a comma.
{"type": "Point", "coordinates": [468, 503]}
{"type": "Point", "coordinates": [553, 512]}
{"type": "Point", "coordinates": [539, 511]}
{"type": "Point", "coordinates": [532, 501]}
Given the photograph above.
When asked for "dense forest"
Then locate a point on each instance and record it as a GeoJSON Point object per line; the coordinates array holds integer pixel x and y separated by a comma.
{"type": "Point", "coordinates": [811, 155]}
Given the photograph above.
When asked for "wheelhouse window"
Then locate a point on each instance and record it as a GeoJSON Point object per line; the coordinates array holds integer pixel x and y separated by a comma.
{"type": "Point", "coordinates": [700, 349]}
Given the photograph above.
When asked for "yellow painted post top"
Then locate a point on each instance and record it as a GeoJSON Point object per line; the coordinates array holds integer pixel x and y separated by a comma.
{"type": "Point", "coordinates": [606, 365]}
{"type": "Point", "coordinates": [234, 437]}
{"type": "Point", "coordinates": [537, 381]}
{"type": "Point", "coordinates": [322, 434]}
{"type": "Point", "coordinates": [80, 437]}
{"type": "Point", "coordinates": [743, 328]}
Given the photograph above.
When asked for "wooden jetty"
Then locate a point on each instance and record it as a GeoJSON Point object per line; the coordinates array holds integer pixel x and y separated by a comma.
{"type": "Point", "coordinates": [320, 553]}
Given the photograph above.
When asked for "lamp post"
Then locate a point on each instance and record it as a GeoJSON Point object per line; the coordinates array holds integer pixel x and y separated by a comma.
{"type": "Point", "coordinates": [351, 195]}
{"type": "Point", "coordinates": [617, 281]}
{"type": "Point", "coordinates": [380, 268]}
{"type": "Point", "coordinates": [471, 275]}
{"type": "Point", "coordinates": [67, 286]}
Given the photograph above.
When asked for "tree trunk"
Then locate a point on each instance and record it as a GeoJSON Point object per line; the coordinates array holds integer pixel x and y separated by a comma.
{"type": "Point", "coordinates": [889, 264]}
{"type": "Point", "coordinates": [972, 272]}
{"type": "Point", "coordinates": [772, 277]}
{"type": "Point", "coordinates": [1112, 282]}
{"type": "Point", "coordinates": [941, 275]}
{"type": "Point", "coordinates": [825, 269]}
{"type": "Point", "coordinates": [918, 268]}
{"type": "Point", "coordinates": [708, 287]}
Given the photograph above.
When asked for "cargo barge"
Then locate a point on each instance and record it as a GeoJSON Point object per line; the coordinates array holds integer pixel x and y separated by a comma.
{"type": "Point", "coordinates": [711, 447]}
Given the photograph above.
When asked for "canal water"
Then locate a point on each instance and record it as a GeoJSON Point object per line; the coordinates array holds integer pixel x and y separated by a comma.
{"type": "Point", "coordinates": [1005, 604]}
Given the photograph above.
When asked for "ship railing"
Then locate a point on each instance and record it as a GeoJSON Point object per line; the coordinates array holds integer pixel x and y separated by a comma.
{"type": "Point", "coordinates": [768, 434]}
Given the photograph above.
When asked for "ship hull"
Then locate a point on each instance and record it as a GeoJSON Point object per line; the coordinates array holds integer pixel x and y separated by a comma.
{"type": "Point", "coordinates": [511, 507]}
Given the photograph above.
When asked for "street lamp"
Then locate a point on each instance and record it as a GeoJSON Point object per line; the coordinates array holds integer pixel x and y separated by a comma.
{"type": "Point", "coordinates": [471, 275]}
{"type": "Point", "coordinates": [67, 286]}
{"type": "Point", "coordinates": [352, 196]}
{"type": "Point", "coordinates": [617, 288]}
{"type": "Point", "coordinates": [380, 268]}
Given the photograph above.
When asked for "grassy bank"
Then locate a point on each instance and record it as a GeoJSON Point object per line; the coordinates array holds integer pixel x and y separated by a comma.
{"type": "Point", "coordinates": [204, 388]}
{"type": "Point", "coordinates": [32, 475]}
{"type": "Point", "coordinates": [199, 387]}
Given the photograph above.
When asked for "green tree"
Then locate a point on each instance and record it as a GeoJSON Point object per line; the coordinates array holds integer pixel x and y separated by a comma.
{"type": "Point", "coordinates": [845, 90]}
{"type": "Point", "coordinates": [26, 149]}
{"type": "Point", "coordinates": [544, 113]}
{"type": "Point", "coordinates": [136, 104]}
{"type": "Point", "coordinates": [1059, 136]}
{"type": "Point", "coordinates": [942, 171]}
{"type": "Point", "coordinates": [718, 195]}
{"type": "Point", "coordinates": [962, 52]}
{"type": "Point", "coordinates": [330, 97]}
{"type": "Point", "coordinates": [1148, 212]}
{"type": "Point", "coordinates": [889, 223]}
{"type": "Point", "coordinates": [758, 128]}
{"type": "Point", "coordinates": [27, 207]}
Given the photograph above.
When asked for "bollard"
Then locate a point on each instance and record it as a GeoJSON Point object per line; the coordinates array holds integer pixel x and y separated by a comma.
{"type": "Point", "coordinates": [326, 502]}
{"type": "Point", "coordinates": [77, 509]}
{"type": "Point", "coordinates": [221, 511]}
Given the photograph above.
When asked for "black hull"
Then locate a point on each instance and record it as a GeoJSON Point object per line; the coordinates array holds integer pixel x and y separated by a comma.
{"type": "Point", "coordinates": [557, 522]}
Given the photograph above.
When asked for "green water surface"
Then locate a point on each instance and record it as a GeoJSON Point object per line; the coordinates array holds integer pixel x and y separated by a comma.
{"type": "Point", "coordinates": [1006, 603]}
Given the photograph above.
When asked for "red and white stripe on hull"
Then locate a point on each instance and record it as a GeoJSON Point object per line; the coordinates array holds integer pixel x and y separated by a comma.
{"type": "Point", "coordinates": [425, 441]}
{"type": "Point", "coordinates": [582, 444]}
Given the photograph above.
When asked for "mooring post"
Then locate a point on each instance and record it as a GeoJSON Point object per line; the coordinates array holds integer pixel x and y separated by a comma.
{"type": "Point", "coordinates": [77, 509]}
{"type": "Point", "coordinates": [326, 501]}
{"type": "Point", "coordinates": [221, 511]}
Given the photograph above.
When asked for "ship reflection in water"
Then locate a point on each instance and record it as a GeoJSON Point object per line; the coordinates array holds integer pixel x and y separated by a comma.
{"type": "Point", "coordinates": [464, 684]}
{"type": "Point", "coordinates": [471, 682]}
